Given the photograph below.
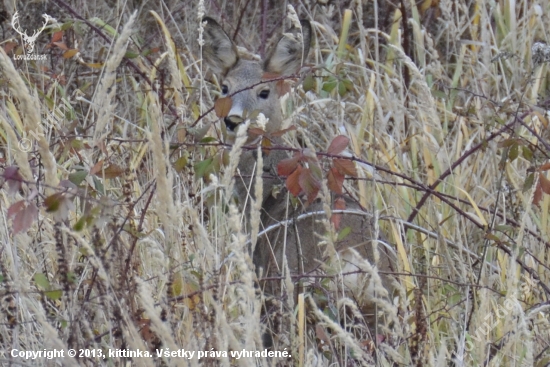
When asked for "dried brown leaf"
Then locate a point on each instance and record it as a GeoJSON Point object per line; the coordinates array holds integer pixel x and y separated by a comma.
{"type": "Point", "coordinates": [345, 167]}
{"type": "Point", "coordinates": [97, 167]}
{"type": "Point", "coordinates": [266, 144]}
{"type": "Point", "coordinates": [113, 171]}
{"type": "Point", "coordinates": [70, 53]}
{"type": "Point", "coordinates": [222, 106]}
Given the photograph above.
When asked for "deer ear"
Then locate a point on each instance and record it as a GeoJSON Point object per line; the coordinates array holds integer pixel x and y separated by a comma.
{"type": "Point", "coordinates": [219, 52]}
{"type": "Point", "coordinates": [291, 51]}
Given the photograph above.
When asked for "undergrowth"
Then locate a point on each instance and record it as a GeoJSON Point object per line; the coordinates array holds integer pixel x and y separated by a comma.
{"type": "Point", "coordinates": [117, 230]}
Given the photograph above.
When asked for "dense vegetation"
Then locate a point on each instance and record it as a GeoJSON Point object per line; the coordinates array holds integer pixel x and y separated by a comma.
{"type": "Point", "coordinates": [117, 230]}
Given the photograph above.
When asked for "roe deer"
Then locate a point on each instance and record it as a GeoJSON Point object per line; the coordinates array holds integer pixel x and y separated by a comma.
{"type": "Point", "coordinates": [299, 236]}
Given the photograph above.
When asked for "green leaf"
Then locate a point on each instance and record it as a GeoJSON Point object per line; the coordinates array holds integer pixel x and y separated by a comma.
{"type": "Point", "coordinates": [342, 89]}
{"type": "Point", "coordinates": [52, 203]}
{"type": "Point", "coordinates": [104, 26]}
{"type": "Point", "coordinates": [309, 83]}
{"type": "Point", "coordinates": [180, 163]}
{"type": "Point", "coordinates": [87, 219]}
{"type": "Point", "coordinates": [202, 167]}
{"type": "Point", "coordinates": [330, 84]}
{"type": "Point", "coordinates": [77, 144]}
{"type": "Point", "coordinates": [71, 277]}
{"type": "Point", "coordinates": [528, 184]}
{"type": "Point", "coordinates": [41, 281]}
{"type": "Point", "coordinates": [439, 94]}
{"type": "Point", "coordinates": [527, 153]}
{"type": "Point", "coordinates": [66, 25]}
{"type": "Point", "coordinates": [507, 143]}
{"type": "Point", "coordinates": [514, 152]}
{"type": "Point", "coordinates": [79, 226]}
{"type": "Point", "coordinates": [77, 177]}
{"type": "Point", "coordinates": [99, 185]}
{"type": "Point", "coordinates": [53, 295]}
{"type": "Point", "coordinates": [344, 233]}
{"type": "Point", "coordinates": [504, 228]}
{"type": "Point", "coordinates": [208, 139]}
{"type": "Point", "coordinates": [348, 84]}
{"type": "Point", "coordinates": [131, 55]}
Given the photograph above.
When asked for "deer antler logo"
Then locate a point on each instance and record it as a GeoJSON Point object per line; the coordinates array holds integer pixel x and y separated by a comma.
{"type": "Point", "coordinates": [29, 40]}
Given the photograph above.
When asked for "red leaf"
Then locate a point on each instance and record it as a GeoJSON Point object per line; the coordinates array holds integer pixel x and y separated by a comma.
{"type": "Point", "coordinates": [61, 45]}
{"type": "Point", "coordinates": [282, 87]}
{"type": "Point", "coordinates": [256, 131]}
{"type": "Point", "coordinates": [544, 183]}
{"type": "Point", "coordinates": [97, 167]}
{"type": "Point", "coordinates": [338, 144]}
{"type": "Point", "coordinates": [222, 106]}
{"type": "Point", "coordinates": [23, 215]}
{"type": "Point", "coordinates": [309, 184]}
{"type": "Point", "coordinates": [287, 166]}
{"type": "Point", "coordinates": [16, 208]}
{"type": "Point", "coordinates": [544, 167]}
{"type": "Point", "coordinates": [8, 46]}
{"type": "Point", "coordinates": [280, 133]}
{"type": "Point", "coordinates": [292, 182]}
{"type": "Point", "coordinates": [537, 196]}
{"type": "Point", "coordinates": [335, 180]}
{"type": "Point", "coordinates": [345, 167]}
{"type": "Point", "coordinates": [13, 178]}
{"type": "Point", "coordinates": [269, 76]}
{"type": "Point", "coordinates": [57, 36]}
{"type": "Point", "coordinates": [339, 204]}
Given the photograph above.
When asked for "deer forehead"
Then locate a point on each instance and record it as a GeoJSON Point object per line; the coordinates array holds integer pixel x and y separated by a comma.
{"type": "Point", "coordinates": [245, 74]}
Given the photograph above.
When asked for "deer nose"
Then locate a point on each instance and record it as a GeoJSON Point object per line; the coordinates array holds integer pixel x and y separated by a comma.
{"type": "Point", "coordinates": [232, 121]}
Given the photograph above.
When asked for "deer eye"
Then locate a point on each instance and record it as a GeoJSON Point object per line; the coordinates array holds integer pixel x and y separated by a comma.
{"type": "Point", "coordinates": [225, 89]}
{"type": "Point", "coordinates": [264, 94]}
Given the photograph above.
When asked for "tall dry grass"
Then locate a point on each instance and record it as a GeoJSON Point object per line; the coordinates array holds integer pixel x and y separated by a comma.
{"type": "Point", "coordinates": [139, 247]}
